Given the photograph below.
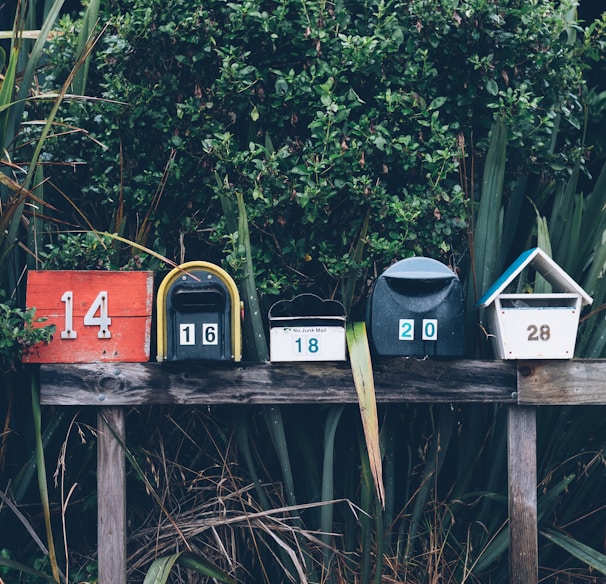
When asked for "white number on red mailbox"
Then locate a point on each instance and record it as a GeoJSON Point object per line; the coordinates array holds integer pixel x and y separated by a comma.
{"type": "Point", "coordinates": [99, 305]}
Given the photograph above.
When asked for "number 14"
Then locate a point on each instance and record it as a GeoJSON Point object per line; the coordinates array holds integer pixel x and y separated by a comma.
{"type": "Point", "coordinates": [99, 305]}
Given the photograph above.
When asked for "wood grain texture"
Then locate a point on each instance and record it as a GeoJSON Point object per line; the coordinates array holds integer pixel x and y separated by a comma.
{"type": "Point", "coordinates": [129, 303]}
{"type": "Point", "coordinates": [522, 466]}
{"type": "Point", "coordinates": [111, 496]}
{"type": "Point", "coordinates": [562, 382]}
{"type": "Point", "coordinates": [397, 380]}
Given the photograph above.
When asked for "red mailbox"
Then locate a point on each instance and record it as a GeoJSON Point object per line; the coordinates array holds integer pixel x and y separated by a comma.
{"type": "Point", "coordinates": [100, 316]}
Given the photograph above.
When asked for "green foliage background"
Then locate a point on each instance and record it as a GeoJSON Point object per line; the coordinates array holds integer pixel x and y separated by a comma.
{"type": "Point", "coordinates": [319, 113]}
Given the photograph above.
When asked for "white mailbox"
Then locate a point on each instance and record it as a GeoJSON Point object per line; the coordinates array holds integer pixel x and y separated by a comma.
{"type": "Point", "coordinates": [534, 326]}
{"type": "Point", "coordinates": [307, 328]}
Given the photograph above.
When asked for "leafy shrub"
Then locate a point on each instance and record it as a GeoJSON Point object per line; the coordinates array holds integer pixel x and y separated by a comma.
{"type": "Point", "coordinates": [87, 251]}
{"type": "Point", "coordinates": [19, 332]}
{"type": "Point", "coordinates": [319, 113]}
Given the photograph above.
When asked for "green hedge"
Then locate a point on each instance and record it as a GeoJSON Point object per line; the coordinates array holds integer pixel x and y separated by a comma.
{"type": "Point", "coordinates": [320, 113]}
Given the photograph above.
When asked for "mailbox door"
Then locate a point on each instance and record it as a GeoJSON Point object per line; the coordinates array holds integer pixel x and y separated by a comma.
{"type": "Point", "coordinates": [307, 339]}
{"type": "Point", "coordinates": [199, 315]}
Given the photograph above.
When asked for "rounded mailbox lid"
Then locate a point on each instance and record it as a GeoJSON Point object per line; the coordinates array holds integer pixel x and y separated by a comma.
{"type": "Point", "coordinates": [307, 305]}
{"type": "Point", "coordinates": [419, 268]}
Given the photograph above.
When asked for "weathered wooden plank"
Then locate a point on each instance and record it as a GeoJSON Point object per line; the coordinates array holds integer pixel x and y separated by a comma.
{"type": "Point", "coordinates": [396, 380]}
{"type": "Point", "coordinates": [522, 465]}
{"type": "Point", "coordinates": [573, 382]}
{"type": "Point", "coordinates": [100, 316]}
{"type": "Point", "coordinates": [111, 496]}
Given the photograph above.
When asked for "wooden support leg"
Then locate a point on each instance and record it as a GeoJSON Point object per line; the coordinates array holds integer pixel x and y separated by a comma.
{"type": "Point", "coordinates": [111, 497]}
{"type": "Point", "coordinates": [522, 457]}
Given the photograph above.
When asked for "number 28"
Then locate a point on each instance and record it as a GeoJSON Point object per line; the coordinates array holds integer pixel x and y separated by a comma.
{"type": "Point", "coordinates": [538, 333]}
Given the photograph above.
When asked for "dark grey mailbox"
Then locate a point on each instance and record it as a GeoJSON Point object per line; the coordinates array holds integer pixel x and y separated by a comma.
{"type": "Point", "coordinates": [416, 309]}
{"type": "Point", "coordinates": [199, 313]}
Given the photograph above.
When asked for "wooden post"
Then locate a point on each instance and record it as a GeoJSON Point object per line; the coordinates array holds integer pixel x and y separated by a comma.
{"type": "Point", "coordinates": [111, 497]}
{"type": "Point", "coordinates": [522, 464]}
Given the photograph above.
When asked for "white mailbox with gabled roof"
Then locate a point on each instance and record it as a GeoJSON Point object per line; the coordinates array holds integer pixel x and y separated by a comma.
{"type": "Point", "coordinates": [534, 326]}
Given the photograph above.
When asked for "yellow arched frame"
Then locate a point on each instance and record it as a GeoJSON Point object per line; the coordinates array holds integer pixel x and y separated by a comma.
{"type": "Point", "coordinates": [234, 295]}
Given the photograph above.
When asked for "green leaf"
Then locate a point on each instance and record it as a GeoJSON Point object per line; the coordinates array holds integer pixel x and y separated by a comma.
{"type": "Point", "coordinates": [161, 568]}
{"type": "Point", "coordinates": [281, 86]}
{"type": "Point", "coordinates": [437, 103]}
{"type": "Point", "coordinates": [582, 552]}
{"type": "Point", "coordinates": [486, 240]}
{"type": "Point", "coordinates": [542, 286]}
{"type": "Point", "coordinates": [12, 565]}
{"type": "Point", "coordinates": [254, 331]}
{"type": "Point", "coordinates": [6, 93]}
{"type": "Point", "coordinates": [33, 62]}
{"type": "Point", "coordinates": [492, 87]}
{"type": "Point", "coordinates": [361, 367]}
{"type": "Point", "coordinates": [488, 225]}
{"type": "Point", "coordinates": [84, 36]}
{"type": "Point", "coordinates": [41, 466]}
{"type": "Point", "coordinates": [354, 272]}
{"type": "Point", "coordinates": [275, 425]}
{"type": "Point", "coordinates": [326, 512]}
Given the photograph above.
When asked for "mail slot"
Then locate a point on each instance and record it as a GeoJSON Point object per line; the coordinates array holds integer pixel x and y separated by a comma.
{"type": "Point", "coordinates": [199, 315]}
{"type": "Point", "coordinates": [416, 309]}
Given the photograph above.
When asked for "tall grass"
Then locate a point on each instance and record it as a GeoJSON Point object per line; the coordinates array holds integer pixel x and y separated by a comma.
{"type": "Point", "coordinates": [21, 189]}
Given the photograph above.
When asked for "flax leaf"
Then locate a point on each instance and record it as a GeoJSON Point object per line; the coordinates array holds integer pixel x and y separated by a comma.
{"type": "Point", "coordinates": [361, 367]}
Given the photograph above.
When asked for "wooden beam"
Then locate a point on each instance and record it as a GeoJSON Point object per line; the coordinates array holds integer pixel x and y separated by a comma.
{"type": "Point", "coordinates": [397, 380]}
{"type": "Point", "coordinates": [573, 382]}
{"type": "Point", "coordinates": [111, 496]}
{"type": "Point", "coordinates": [522, 466]}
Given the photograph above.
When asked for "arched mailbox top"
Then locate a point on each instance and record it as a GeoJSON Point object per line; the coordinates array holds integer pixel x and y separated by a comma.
{"type": "Point", "coordinates": [200, 287]}
{"type": "Point", "coordinates": [419, 268]}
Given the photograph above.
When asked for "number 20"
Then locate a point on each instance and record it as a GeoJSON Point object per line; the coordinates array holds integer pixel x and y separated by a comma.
{"type": "Point", "coordinates": [99, 305]}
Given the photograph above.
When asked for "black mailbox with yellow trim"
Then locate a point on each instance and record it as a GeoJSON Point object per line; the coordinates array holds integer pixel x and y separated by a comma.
{"type": "Point", "coordinates": [199, 315]}
{"type": "Point", "coordinates": [416, 309]}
